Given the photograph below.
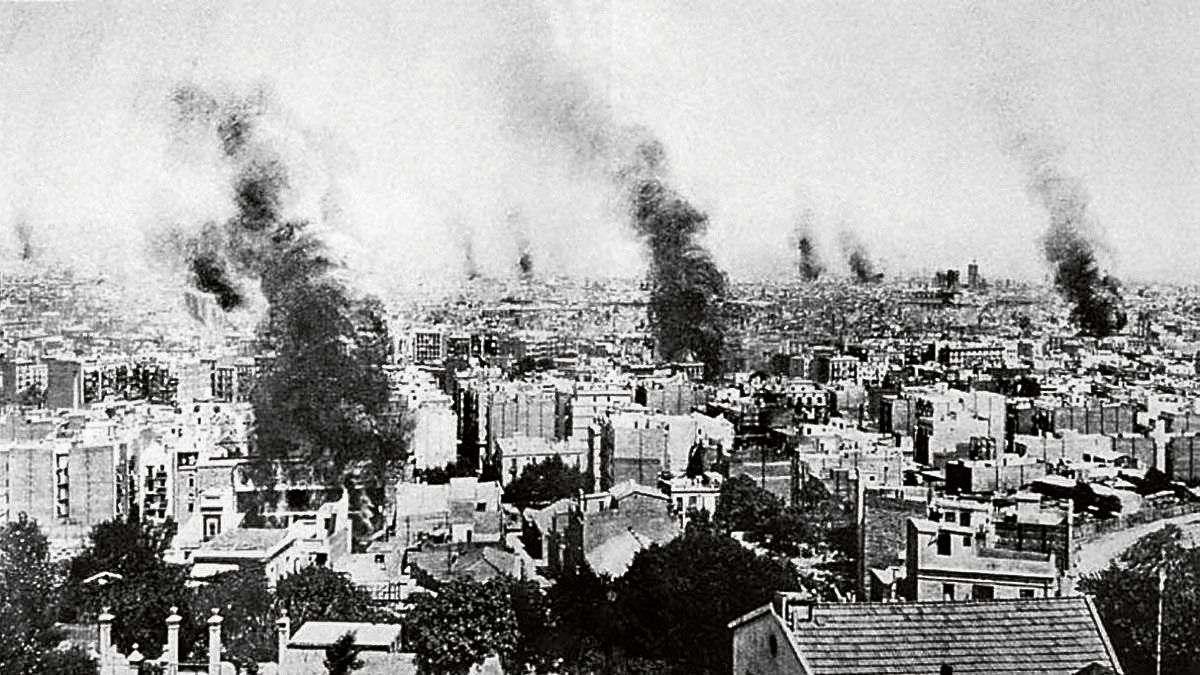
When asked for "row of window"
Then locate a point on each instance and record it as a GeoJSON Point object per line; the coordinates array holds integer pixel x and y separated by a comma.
{"type": "Point", "coordinates": [981, 592]}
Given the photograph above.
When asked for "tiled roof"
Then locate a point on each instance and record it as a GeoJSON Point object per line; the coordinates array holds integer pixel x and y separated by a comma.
{"type": "Point", "coordinates": [1046, 635]}
{"type": "Point", "coordinates": [246, 539]}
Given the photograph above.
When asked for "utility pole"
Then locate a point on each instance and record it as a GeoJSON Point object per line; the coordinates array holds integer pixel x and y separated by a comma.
{"type": "Point", "coordinates": [1162, 582]}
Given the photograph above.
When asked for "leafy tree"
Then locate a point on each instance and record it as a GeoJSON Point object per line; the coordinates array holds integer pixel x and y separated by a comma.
{"type": "Point", "coordinates": [537, 646]}
{"type": "Point", "coordinates": [29, 592]}
{"type": "Point", "coordinates": [442, 475]}
{"type": "Point", "coordinates": [585, 621]}
{"type": "Point", "coordinates": [677, 598]}
{"type": "Point", "coordinates": [142, 598]}
{"type": "Point", "coordinates": [63, 661]}
{"type": "Point", "coordinates": [466, 622]}
{"type": "Point", "coordinates": [545, 482]}
{"type": "Point", "coordinates": [341, 657]}
{"type": "Point", "coordinates": [317, 593]}
{"type": "Point", "coordinates": [247, 608]}
{"type": "Point", "coordinates": [743, 506]}
{"type": "Point", "coordinates": [1126, 595]}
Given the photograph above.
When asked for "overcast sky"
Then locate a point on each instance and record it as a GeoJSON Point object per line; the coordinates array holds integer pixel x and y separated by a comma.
{"type": "Point", "coordinates": [887, 119]}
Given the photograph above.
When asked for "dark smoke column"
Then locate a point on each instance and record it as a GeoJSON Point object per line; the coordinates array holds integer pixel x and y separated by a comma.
{"type": "Point", "coordinates": [858, 259]}
{"type": "Point", "coordinates": [686, 286]}
{"type": "Point", "coordinates": [321, 405]}
{"type": "Point", "coordinates": [1068, 245]}
{"type": "Point", "coordinates": [550, 104]}
{"type": "Point", "coordinates": [811, 268]}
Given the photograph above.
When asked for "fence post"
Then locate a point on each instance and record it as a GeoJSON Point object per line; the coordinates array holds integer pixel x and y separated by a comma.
{"type": "Point", "coordinates": [172, 653]}
{"type": "Point", "coordinates": [214, 643]}
{"type": "Point", "coordinates": [105, 619]}
{"type": "Point", "coordinates": [283, 631]}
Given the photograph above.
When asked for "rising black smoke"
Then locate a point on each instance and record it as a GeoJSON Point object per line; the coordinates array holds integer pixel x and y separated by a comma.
{"type": "Point", "coordinates": [321, 406]}
{"type": "Point", "coordinates": [26, 249]}
{"type": "Point", "coordinates": [811, 266]}
{"type": "Point", "coordinates": [858, 259]}
{"type": "Point", "coordinates": [516, 225]}
{"type": "Point", "coordinates": [1069, 244]}
{"type": "Point", "coordinates": [549, 102]}
{"type": "Point", "coordinates": [524, 259]}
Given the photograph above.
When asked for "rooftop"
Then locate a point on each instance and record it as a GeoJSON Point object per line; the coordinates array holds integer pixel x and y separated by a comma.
{"type": "Point", "coordinates": [321, 634]}
{"type": "Point", "coordinates": [1045, 635]}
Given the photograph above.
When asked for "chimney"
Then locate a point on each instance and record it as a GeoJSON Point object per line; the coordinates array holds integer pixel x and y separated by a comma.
{"type": "Point", "coordinates": [793, 607]}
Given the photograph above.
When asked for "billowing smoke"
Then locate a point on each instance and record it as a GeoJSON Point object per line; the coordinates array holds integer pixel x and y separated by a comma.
{"type": "Point", "coordinates": [321, 404]}
{"type": "Point", "coordinates": [519, 230]}
{"type": "Point", "coordinates": [26, 249]}
{"type": "Point", "coordinates": [858, 259]}
{"type": "Point", "coordinates": [811, 266]}
{"type": "Point", "coordinates": [547, 102]}
{"type": "Point", "coordinates": [1069, 244]}
{"type": "Point", "coordinates": [524, 259]}
{"type": "Point", "coordinates": [210, 272]}
{"type": "Point", "coordinates": [467, 246]}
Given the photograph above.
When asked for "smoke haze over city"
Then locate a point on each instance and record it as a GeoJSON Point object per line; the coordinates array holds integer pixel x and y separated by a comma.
{"type": "Point", "coordinates": [879, 119]}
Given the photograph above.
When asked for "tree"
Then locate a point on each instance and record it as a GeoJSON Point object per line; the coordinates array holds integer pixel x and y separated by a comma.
{"type": "Point", "coordinates": [545, 482]}
{"type": "Point", "coordinates": [29, 593]}
{"type": "Point", "coordinates": [247, 608]}
{"type": "Point", "coordinates": [341, 657]}
{"type": "Point", "coordinates": [537, 644]}
{"type": "Point", "coordinates": [677, 598]}
{"type": "Point", "coordinates": [148, 587]}
{"type": "Point", "coordinates": [1126, 595]}
{"type": "Point", "coordinates": [441, 475]}
{"type": "Point", "coordinates": [317, 593]}
{"type": "Point", "coordinates": [585, 619]}
{"type": "Point", "coordinates": [465, 623]}
{"type": "Point", "coordinates": [743, 506]}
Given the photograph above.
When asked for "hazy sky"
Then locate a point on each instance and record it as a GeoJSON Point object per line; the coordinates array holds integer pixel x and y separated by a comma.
{"type": "Point", "coordinates": [887, 119]}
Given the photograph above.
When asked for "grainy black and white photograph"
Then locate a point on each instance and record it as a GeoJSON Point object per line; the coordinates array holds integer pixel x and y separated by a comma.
{"type": "Point", "coordinates": [573, 337]}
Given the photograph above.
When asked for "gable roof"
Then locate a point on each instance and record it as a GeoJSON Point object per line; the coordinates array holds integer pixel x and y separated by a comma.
{"type": "Point", "coordinates": [1041, 635]}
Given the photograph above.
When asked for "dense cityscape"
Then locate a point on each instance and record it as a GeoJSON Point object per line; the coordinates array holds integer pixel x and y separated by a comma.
{"type": "Point", "coordinates": [593, 337]}
{"type": "Point", "coordinates": [858, 447]}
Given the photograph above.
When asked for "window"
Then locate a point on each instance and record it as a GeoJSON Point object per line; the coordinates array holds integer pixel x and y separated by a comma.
{"type": "Point", "coordinates": [943, 543]}
{"type": "Point", "coordinates": [481, 506]}
{"type": "Point", "coordinates": [773, 644]}
{"type": "Point", "coordinates": [1026, 592]}
{"type": "Point", "coordinates": [967, 541]}
{"type": "Point", "coordinates": [949, 518]}
{"type": "Point", "coordinates": [981, 592]}
{"type": "Point", "coordinates": [966, 518]}
{"type": "Point", "coordinates": [947, 591]}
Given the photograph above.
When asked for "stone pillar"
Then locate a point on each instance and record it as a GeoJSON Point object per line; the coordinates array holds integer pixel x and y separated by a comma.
{"type": "Point", "coordinates": [106, 664]}
{"type": "Point", "coordinates": [135, 660]}
{"type": "Point", "coordinates": [283, 630]}
{"type": "Point", "coordinates": [214, 643]}
{"type": "Point", "coordinates": [171, 654]}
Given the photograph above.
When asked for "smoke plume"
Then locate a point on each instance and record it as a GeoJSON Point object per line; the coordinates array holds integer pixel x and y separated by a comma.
{"type": "Point", "coordinates": [26, 249]}
{"type": "Point", "coordinates": [811, 266]}
{"type": "Point", "coordinates": [1070, 242]}
{"type": "Point", "coordinates": [547, 102]}
{"type": "Point", "coordinates": [520, 231]}
{"type": "Point", "coordinates": [321, 403]}
{"type": "Point", "coordinates": [858, 259]}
